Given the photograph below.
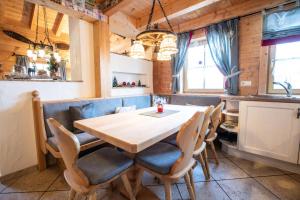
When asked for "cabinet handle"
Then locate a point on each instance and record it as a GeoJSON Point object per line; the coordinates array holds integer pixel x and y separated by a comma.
{"type": "Point", "coordinates": [298, 114]}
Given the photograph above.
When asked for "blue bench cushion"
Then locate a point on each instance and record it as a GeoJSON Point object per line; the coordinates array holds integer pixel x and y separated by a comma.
{"type": "Point", "coordinates": [195, 100]}
{"type": "Point", "coordinates": [83, 138]}
{"type": "Point", "coordinates": [138, 101]}
{"type": "Point", "coordinates": [171, 139]}
{"type": "Point", "coordinates": [103, 164]}
{"type": "Point", "coordinates": [60, 110]}
{"type": "Point", "coordinates": [159, 157]}
{"type": "Point", "coordinates": [81, 112]}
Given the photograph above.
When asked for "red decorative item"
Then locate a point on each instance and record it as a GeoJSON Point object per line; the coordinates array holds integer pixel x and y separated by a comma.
{"type": "Point", "coordinates": [160, 108]}
{"type": "Point", "coordinates": [124, 83]}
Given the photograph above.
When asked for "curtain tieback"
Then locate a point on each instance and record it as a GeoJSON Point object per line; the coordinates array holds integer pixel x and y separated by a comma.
{"type": "Point", "coordinates": [175, 76]}
{"type": "Point", "coordinates": [232, 73]}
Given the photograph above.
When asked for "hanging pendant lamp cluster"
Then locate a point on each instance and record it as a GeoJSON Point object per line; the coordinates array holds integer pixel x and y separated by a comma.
{"type": "Point", "coordinates": [43, 49]}
{"type": "Point", "coordinates": [155, 37]}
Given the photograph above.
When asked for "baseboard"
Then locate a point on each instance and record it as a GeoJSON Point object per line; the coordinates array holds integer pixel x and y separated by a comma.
{"type": "Point", "coordinates": [268, 161]}
{"type": "Point", "coordinates": [18, 173]}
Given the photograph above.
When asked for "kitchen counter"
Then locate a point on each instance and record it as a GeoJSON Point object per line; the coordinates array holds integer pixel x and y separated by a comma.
{"type": "Point", "coordinates": [266, 98]}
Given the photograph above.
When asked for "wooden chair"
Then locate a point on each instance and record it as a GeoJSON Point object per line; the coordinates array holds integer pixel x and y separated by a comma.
{"type": "Point", "coordinates": [215, 119]}
{"type": "Point", "coordinates": [168, 162]}
{"type": "Point", "coordinates": [95, 170]}
{"type": "Point", "coordinates": [200, 152]}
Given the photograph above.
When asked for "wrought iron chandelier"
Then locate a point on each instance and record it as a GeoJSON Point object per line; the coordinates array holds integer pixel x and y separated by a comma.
{"type": "Point", "coordinates": [153, 36]}
{"type": "Point", "coordinates": [43, 49]}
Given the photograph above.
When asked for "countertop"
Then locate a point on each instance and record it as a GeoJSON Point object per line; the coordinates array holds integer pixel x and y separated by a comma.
{"type": "Point", "coordinates": [266, 98]}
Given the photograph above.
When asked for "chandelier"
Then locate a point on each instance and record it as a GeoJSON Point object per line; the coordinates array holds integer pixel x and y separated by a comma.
{"type": "Point", "coordinates": [43, 49]}
{"type": "Point", "coordinates": [155, 37]}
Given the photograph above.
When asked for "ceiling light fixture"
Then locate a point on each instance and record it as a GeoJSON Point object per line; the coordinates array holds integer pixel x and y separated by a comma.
{"type": "Point", "coordinates": [155, 37]}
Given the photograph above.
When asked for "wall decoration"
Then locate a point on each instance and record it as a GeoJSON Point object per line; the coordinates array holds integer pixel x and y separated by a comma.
{"type": "Point", "coordinates": [115, 82]}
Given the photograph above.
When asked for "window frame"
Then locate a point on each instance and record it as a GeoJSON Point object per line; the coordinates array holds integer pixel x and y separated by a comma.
{"type": "Point", "coordinates": [184, 74]}
{"type": "Point", "coordinates": [270, 89]}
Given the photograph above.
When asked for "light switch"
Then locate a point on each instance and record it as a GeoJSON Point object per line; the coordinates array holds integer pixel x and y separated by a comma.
{"type": "Point", "coordinates": [246, 83]}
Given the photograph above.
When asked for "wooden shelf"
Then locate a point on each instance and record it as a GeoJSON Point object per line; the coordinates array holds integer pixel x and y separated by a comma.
{"type": "Point", "coordinates": [230, 113]}
{"type": "Point", "coordinates": [228, 144]}
{"type": "Point", "coordinates": [68, 11]}
{"type": "Point", "coordinates": [232, 130]}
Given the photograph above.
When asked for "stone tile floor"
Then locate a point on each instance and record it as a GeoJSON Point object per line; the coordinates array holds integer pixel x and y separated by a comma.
{"type": "Point", "coordinates": [233, 178]}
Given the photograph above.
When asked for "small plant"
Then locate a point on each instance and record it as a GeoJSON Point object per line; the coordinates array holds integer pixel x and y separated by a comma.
{"type": "Point", "coordinates": [53, 64]}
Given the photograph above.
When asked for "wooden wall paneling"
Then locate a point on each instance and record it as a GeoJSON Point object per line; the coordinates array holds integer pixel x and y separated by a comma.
{"type": "Point", "coordinates": [102, 57]}
{"type": "Point", "coordinates": [238, 9]}
{"type": "Point", "coordinates": [113, 10]}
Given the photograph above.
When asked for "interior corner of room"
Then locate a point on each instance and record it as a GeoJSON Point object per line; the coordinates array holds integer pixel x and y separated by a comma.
{"type": "Point", "coordinates": [153, 67]}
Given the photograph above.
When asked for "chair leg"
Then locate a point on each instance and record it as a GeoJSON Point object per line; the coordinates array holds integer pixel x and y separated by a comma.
{"type": "Point", "coordinates": [192, 181]}
{"type": "Point", "coordinates": [72, 194]}
{"type": "Point", "coordinates": [138, 181]}
{"type": "Point", "coordinates": [127, 186]}
{"type": "Point", "coordinates": [168, 190]}
{"type": "Point", "coordinates": [214, 152]}
{"type": "Point", "coordinates": [189, 186]}
{"type": "Point", "coordinates": [92, 196]}
{"type": "Point", "coordinates": [206, 163]}
{"type": "Point", "coordinates": [200, 158]}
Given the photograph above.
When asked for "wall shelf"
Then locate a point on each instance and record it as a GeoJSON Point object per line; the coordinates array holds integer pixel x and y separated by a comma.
{"type": "Point", "coordinates": [230, 113]}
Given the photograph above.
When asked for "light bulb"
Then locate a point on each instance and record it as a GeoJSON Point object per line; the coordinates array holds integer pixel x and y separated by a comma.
{"type": "Point", "coordinates": [58, 59]}
{"type": "Point", "coordinates": [29, 53]}
{"type": "Point", "coordinates": [41, 53]}
{"type": "Point", "coordinates": [34, 56]}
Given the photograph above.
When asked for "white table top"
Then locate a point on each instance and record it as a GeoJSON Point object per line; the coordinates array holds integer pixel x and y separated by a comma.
{"type": "Point", "coordinates": [134, 132]}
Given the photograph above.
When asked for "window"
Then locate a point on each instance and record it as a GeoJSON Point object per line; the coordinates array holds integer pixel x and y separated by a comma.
{"type": "Point", "coordinates": [200, 72]}
{"type": "Point", "coordinates": [284, 66]}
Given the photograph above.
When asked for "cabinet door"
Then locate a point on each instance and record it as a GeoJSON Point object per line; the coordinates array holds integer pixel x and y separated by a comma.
{"type": "Point", "coordinates": [270, 129]}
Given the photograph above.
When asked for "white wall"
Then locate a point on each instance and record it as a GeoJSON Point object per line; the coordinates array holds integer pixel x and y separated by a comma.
{"type": "Point", "coordinates": [129, 69]}
{"type": "Point", "coordinates": [17, 139]}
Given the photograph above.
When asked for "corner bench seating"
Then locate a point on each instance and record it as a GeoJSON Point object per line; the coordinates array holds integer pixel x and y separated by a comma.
{"type": "Point", "coordinates": [59, 110]}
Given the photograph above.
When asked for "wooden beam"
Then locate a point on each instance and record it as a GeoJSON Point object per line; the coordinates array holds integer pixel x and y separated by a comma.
{"type": "Point", "coordinates": [114, 9]}
{"type": "Point", "coordinates": [28, 14]}
{"type": "Point", "coordinates": [31, 19]}
{"type": "Point", "coordinates": [174, 10]}
{"type": "Point", "coordinates": [56, 25]}
{"type": "Point", "coordinates": [102, 57]}
{"type": "Point", "coordinates": [237, 10]}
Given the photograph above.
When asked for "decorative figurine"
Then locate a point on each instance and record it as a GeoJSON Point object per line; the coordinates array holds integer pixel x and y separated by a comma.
{"type": "Point", "coordinates": [115, 82]}
{"type": "Point", "coordinates": [139, 83]}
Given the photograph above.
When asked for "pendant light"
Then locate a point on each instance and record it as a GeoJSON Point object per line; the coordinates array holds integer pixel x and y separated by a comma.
{"type": "Point", "coordinates": [153, 36]}
{"type": "Point", "coordinates": [137, 50]}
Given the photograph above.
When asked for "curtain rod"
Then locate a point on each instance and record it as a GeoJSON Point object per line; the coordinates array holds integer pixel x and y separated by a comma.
{"type": "Point", "coordinates": [246, 15]}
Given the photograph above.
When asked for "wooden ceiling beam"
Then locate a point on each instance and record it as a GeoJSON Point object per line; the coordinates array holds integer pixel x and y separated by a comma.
{"type": "Point", "coordinates": [56, 29]}
{"type": "Point", "coordinates": [237, 10]}
{"type": "Point", "coordinates": [114, 9]}
{"type": "Point", "coordinates": [174, 10]}
{"type": "Point", "coordinates": [28, 14]}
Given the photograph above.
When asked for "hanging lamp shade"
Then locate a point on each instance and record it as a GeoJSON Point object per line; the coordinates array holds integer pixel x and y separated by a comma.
{"type": "Point", "coordinates": [168, 45]}
{"type": "Point", "coordinates": [137, 50]}
{"type": "Point", "coordinates": [163, 57]}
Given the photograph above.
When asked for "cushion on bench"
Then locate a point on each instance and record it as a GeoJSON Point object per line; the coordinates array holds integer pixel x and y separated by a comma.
{"type": "Point", "coordinates": [195, 100]}
{"type": "Point", "coordinates": [60, 110]}
{"type": "Point", "coordinates": [83, 138]}
{"type": "Point", "coordinates": [138, 101]}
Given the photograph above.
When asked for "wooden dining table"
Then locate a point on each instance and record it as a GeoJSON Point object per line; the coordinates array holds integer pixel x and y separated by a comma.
{"type": "Point", "coordinates": [137, 130]}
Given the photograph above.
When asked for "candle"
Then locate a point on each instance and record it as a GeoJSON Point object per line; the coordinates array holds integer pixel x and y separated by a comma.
{"type": "Point", "coordinates": [160, 108]}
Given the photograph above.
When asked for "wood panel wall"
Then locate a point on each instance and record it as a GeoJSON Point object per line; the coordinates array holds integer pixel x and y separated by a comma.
{"type": "Point", "coordinates": [249, 59]}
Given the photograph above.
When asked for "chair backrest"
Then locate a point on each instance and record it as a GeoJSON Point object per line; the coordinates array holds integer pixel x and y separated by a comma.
{"type": "Point", "coordinates": [215, 119]}
{"type": "Point", "coordinates": [204, 127]}
{"type": "Point", "coordinates": [186, 141]}
{"type": "Point", "coordinates": [69, 148]}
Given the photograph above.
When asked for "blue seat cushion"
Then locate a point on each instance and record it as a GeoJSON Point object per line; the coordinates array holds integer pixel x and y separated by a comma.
{"type": "Point", "coordinates": [159, 157]}
{"type": "Point", "coordinates": [83, 138]}
{"type": "Point", "coordinates": [171, 139]}
{"type": "Point", "coordinates": [103, 164]}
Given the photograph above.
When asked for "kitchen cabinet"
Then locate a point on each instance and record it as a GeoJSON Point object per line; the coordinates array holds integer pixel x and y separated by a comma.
{"type": "Point", "coordinates": [270, 129]}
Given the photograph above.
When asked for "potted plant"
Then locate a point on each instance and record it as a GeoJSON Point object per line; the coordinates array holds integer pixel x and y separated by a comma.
{"type": "Point", "coordinates": [53, 67]}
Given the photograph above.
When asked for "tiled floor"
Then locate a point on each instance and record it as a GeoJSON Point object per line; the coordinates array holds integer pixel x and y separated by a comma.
{"type": "Point", "coordinates": [233, 178]}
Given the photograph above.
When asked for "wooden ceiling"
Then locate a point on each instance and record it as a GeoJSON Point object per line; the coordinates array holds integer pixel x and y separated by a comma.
{"type": "Point", "coordinates": [187, 15]}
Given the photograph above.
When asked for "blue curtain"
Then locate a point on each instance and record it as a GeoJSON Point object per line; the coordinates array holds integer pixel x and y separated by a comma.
{"type": "Point", "coordinates": [281, 26]}
{"type": "Point", "coordinates": [183, 42]}
{"type": "Point", "coordinates": [222, 39]}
